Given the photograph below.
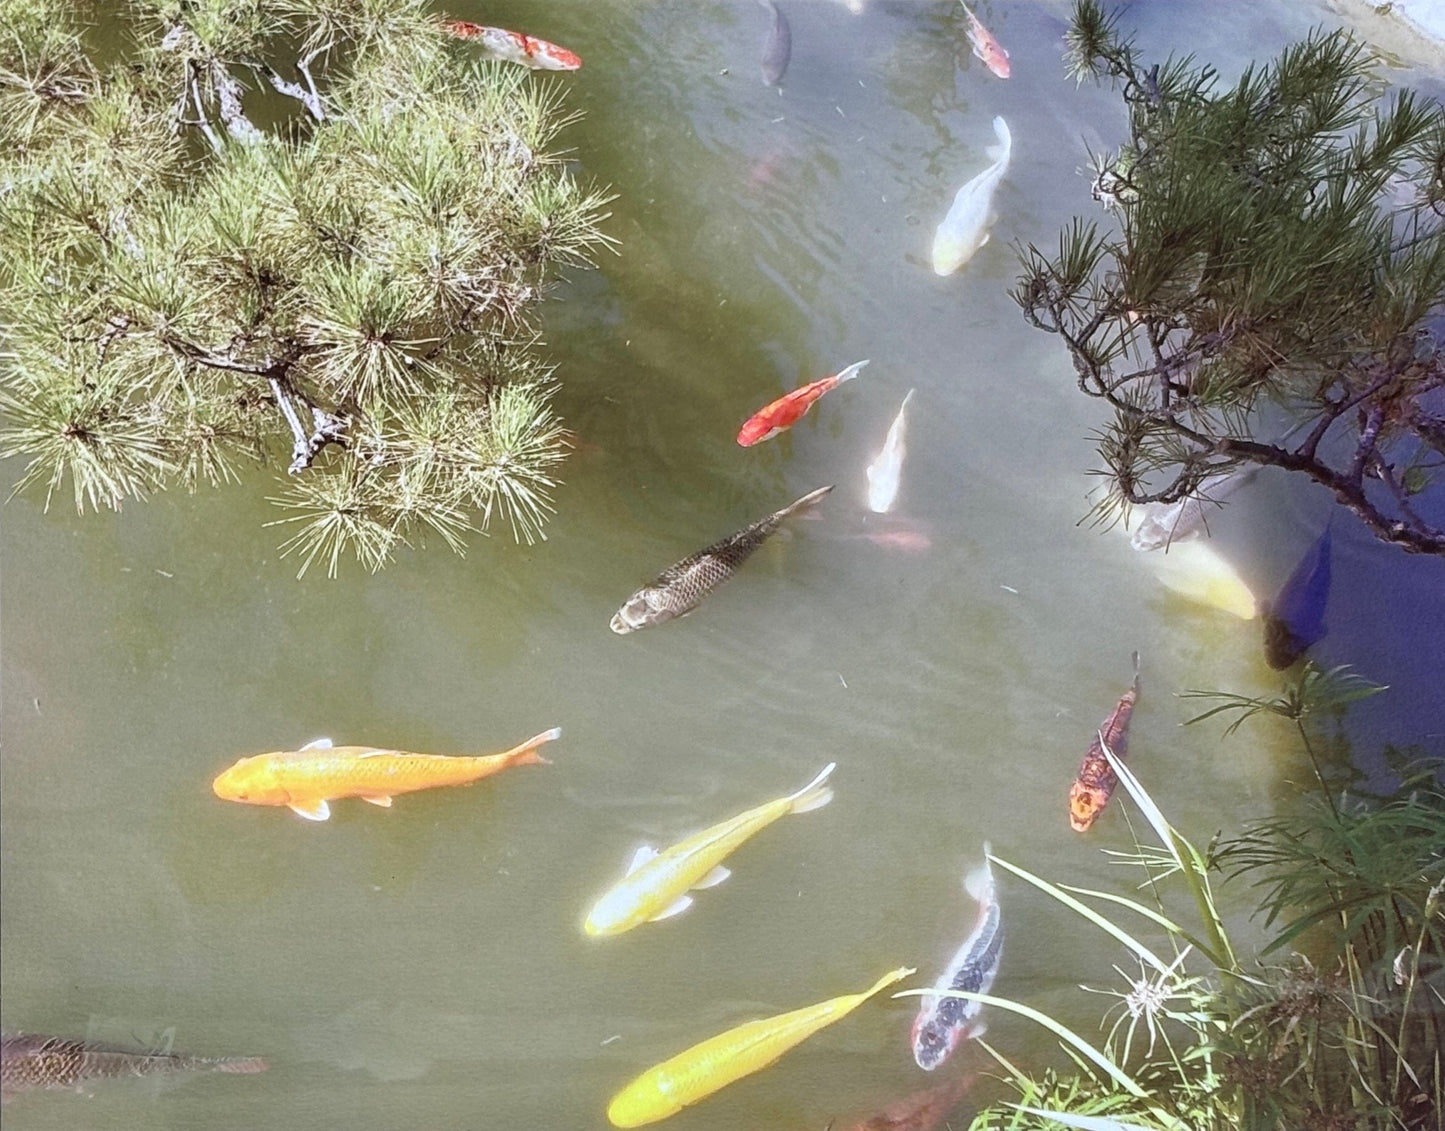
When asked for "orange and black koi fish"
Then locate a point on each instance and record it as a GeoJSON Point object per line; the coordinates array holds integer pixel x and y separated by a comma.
{"type": "Point", "coordinates": [1096, 781]}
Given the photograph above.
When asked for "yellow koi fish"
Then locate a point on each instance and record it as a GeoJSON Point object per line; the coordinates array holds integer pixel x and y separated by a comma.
{"type": "Point", "coordinates": [656, 883]}
{"type": "Point", "coordinates": [305, 780]}
{"type": "Point", "coordinates": [715, 1063]}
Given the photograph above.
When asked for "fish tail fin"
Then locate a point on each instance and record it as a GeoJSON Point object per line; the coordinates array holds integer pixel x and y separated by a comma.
{"type": "Point", "coordinates": [908, 396]}
{"type": "Point", "coordinates": [812, 498]}
{"type": "Point", "coordinates": [240, 1065]}
{"type": "Point", "coordinates": [888, 979]}
{"type": "Point", "coordinates": [815, 794]}
{"type": "Point", "coordinates": [1136, 674]}
{"type": "Point", "coordinates": [851, 371]}
{"type": "Point", "coordinates": [526, 754]}
{"type": "Point", "coordinates": [978, 881]}
{"type": "Point", "coordinates": [1001, 151]}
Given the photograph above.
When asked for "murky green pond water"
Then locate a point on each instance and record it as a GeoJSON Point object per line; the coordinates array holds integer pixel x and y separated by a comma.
{"type": "Point", "coordinates": [425, 966]}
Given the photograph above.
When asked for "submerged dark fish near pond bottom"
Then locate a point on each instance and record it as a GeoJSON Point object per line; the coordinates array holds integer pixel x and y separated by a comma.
{"type": "Point", "coordinates": [32, 1061]}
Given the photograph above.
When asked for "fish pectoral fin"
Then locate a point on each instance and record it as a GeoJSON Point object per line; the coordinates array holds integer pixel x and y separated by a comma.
{"type": "Point", "coordinates": [312, 811]}
{"type": "Point", "coordinates": [985, 239]}
{"type": "Point", "coordinates": [318, 744]}
{"type": "Point", "coordinates": [676, 907]}
{"type": "Point", "coordinates": [975, 1031]}
{"type": "Point", "coordinates": [641, 857]}
{"type": "Point", "coordinates": [713, 878]}
{"type": "Point", "coordinates": [384, 801]}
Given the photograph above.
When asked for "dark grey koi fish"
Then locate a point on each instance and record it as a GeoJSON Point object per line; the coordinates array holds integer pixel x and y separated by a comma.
{"type": "Point", "coordinates": [33, 1061]}
{"type": "Point", "coordinates": [945, 1021]}
{"type": "Point", "coordinates": [779, 46]}
{"type": "Point", "coordinates": [679, 589]}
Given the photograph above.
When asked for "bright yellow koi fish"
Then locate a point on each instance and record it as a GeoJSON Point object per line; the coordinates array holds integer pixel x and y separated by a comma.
{"type": "Point", "coordinates": [715, 1063]}
{"type": "Point", "coordinates": [306, 779]}
{"type": "Point", "coordinates": [656, 882]}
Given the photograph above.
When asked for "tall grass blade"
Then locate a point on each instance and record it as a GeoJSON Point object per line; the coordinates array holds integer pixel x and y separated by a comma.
{"type": "Point", "coordinates": [1065, 1034]}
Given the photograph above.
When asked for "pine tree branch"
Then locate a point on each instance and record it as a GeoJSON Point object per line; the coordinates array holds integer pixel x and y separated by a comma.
{"type": "Point", "coordinates": [308, 95]}
{"type": "Point", "coordinates": [228, 101]}
{"type": "Point", "coordinates": [193, 73]}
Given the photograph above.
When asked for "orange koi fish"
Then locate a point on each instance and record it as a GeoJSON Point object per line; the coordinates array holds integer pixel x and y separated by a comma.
{"type": "Point", "coordinates": [1096, 781]}
{"type": "Point", "coordinates": [985, 46]}
{"type": "Point", "coordinates": [514, 47]}
{"type": "Point", "coordinates": [787, 410]}
{"type": "Point", "coordinates": [305, 780]}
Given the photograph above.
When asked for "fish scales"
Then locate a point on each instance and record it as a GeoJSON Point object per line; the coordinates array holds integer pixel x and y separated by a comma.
{"type": "Point", "coordinates": [680, 588]}
{"type": "Point", "coordinates": [34, 1061]}
{"type": "Point", "coordinates": [943, 1022]}
{"type": "Point", "coordinates": [1094, 784]}
{"type": "Point", "coordinates": [976, 973]}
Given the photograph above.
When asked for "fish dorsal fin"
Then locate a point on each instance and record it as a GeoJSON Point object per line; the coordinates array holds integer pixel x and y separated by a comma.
{"type": "Point", "coordinates": [312, 811]}
{"type": "Point", "coordinates": [384, 802]}
{"type": "Point", "coordinates": [676, 907]}
{"type": "Point", "coordinates": [713, 878]}
{"type": "Point", "coordinates": [318, 744]}
{"type": "Point", "coordinates": [641, 857]}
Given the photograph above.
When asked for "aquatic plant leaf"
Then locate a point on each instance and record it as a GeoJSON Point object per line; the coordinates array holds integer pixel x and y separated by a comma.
{"type": "Point", "coordinates": [1144, 953]}
{"type": "Point", "coordinates": [1149, 913]}
{"type": "Point", "coordinates": [1063, 1032]}
{"type": "Point", "coordinates": [1082, 1122]}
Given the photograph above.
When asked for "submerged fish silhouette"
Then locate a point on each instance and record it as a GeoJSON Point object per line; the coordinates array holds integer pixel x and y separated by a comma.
{"type": "Point", "coordinates": [778, 48]}
{"type": "Point", "coordinates": [32, 1061]}
{"type": "Point", "coordinates": [922, 1111]}
{"type": "Point", "coordinates": [1296, 620]}
{"type": "Point", "coordinates": [680, 588]}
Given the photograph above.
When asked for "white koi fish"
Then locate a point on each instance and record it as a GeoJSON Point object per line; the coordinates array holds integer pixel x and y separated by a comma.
{"type": "Point", "coordinates": [966, 227]}
{"type": "Point", "coordinates": [657, 883]}
{"type": "Point", "coordinates": [887, 466]}
{"type": "Point", "coordinates": [945, 1021]}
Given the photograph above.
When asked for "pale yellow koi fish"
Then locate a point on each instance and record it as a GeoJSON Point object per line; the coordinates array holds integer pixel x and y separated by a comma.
{"type": "Point", "coordinates": [715, 1063]}
{"type": "Point", "coordinates": [1195, 570]}
{"type": "Point", "coordinates": [656, 883]}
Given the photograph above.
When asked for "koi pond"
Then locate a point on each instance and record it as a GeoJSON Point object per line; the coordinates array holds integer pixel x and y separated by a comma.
{"type": "Point", "coordinates": [426, 965]}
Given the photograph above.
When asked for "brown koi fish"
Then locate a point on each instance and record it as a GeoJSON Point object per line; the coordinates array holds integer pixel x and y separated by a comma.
{"type": "Point", "coordinates": [1096, 781]}
{"type": "Point", "coordinates": [32, 1061]}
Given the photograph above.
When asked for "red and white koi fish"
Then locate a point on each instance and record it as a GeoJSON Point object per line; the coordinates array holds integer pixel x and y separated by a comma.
{"type": "Point", "coordinates": [985, 46]}
{"type": "Point", "coordinates": [514, 47]}
{"type": "Point", "coordinates": [787, 410]}
{"type": "Point", "coordinates": [945, 1021]}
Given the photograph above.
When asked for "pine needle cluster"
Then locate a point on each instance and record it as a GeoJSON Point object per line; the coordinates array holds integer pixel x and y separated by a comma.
{"type": "Point", "coordinates": [307, 232]}
{"type": "Point", "coordinates": [1280, 241]}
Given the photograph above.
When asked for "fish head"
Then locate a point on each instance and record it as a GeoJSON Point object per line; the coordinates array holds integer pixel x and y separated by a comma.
{"type": "Point", "coordinates": [1085, 805]}
{"type": "Point", "coordinates": [933, 1040]}
{"type": "Point", "coordinates": [611, 916]}
{"type": "Point", "coordinates": [755, 430]}
{"type": "Point", "coordinates": [551, 57]}
{"type": "Point", "coordinates": [645, 607]}
{"type": "Point", "coordinates": [251, 781]}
